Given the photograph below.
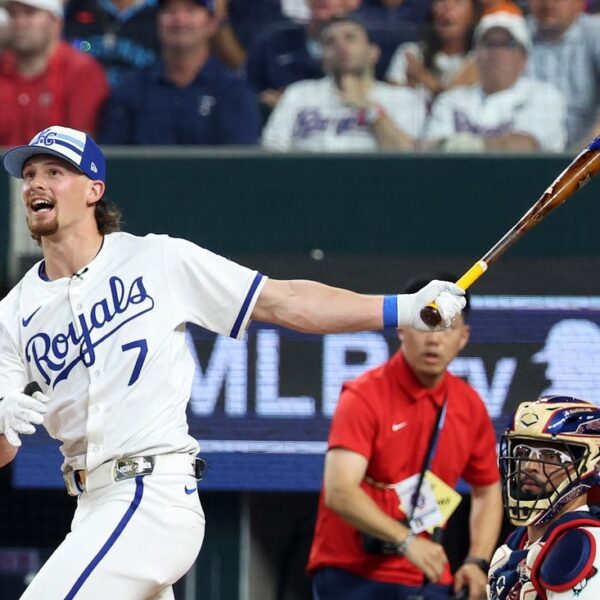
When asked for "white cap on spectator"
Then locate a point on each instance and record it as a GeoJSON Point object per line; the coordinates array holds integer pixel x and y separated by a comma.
{"type": "Point", "coordinates": [514, 24]}
{"type": "Point", "coordinates": [54, 7]}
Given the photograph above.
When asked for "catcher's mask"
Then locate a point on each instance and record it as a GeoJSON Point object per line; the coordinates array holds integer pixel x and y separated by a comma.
{"type": "Point", "coordinates": [549, 455]}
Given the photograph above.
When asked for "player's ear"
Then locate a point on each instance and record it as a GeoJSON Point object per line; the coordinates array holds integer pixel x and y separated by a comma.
{"type": "Point", "coordinates": [400, 334]}
{"type": "Point", "coordinates": [95, 192]}
{"type": "Point", "coordinates": [464, 338]}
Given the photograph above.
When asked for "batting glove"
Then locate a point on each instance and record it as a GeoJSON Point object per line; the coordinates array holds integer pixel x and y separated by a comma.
{"type": "Point", "coordinates": [448, 297]}
{"type": "Point", "coordinates": [19, 413]}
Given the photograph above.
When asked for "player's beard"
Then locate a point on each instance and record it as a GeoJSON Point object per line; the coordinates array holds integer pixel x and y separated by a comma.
{"type": "Point", "coordinates": [46, 228]}
{"type": "Point", "coordinates": [540, 488]}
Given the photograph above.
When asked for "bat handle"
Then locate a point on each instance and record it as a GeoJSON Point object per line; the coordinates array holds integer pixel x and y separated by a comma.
{"type": "Point", "coordinates": [430, 314]}
{"type": "Point", "coordinates": [31, 388]}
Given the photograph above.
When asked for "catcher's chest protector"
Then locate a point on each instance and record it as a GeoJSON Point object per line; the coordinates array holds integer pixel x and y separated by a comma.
{"type": "Point", "coordinates": [562, 559]}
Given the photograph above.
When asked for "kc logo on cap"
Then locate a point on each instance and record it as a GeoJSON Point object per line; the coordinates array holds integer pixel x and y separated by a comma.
{"type": "Point", "coordinates": [76, 147]}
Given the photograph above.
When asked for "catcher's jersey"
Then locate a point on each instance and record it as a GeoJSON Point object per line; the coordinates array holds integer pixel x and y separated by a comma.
{"type": "Point", "coordinates": [108, 347]}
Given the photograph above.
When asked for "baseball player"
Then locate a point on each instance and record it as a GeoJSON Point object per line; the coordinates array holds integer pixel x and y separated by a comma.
{"type": "Point", "coordinates": [99, 325]}
{"type": "Point", "coordinates": [549, 459]}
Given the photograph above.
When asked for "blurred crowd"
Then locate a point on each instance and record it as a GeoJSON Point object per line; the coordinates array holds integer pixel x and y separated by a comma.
{"type": "Point", "coordinates": [308, 75]}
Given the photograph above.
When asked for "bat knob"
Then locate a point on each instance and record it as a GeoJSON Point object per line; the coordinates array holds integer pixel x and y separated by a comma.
{"type": "Point", "coordinates": [430, 315]}
{"type": "Point", "coordinates": [31, 388]}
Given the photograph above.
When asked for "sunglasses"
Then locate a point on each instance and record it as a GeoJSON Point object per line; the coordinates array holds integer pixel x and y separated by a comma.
{"type": "Point", "coordinates": [492, 44]}
{"type": "Point", "coordinates": [547, 455]}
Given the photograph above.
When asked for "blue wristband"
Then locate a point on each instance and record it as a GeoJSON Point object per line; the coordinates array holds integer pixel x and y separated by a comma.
{"type": "Point", "coordinates": [390, 312]}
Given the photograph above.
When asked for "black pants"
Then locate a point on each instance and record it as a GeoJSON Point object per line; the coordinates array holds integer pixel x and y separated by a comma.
{"type": "Point", "coordinates": [334, 584]}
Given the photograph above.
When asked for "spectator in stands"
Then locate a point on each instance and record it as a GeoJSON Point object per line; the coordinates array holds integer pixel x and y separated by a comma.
{"type": "Point", "coordinates": [392, 23]}
{"type": "Point", "coordinates": [121, 34]}
{"type": "Point", "coordinates": [290, 52]}
{"type": "Point", "coordinates": [188, 96]}
{"type": "Point", "coordinates": [42, 79]}
{"type": "Point", "coordinates": [566, 52]}
{"type": "Point", "coordinates": [443, 59]}
{"type": "Point", "coordinates": [348, 110]}
{"type": "Point", "coordinates": [504, 111]}
{"type": "Point", "coordinates": [241, 23]}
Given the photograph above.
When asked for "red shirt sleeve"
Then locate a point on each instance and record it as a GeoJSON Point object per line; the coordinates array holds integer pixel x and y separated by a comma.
{"type": "Point", "coordinates": [354, 424]}
{"type": "Point", "coordinates": [482, 468]}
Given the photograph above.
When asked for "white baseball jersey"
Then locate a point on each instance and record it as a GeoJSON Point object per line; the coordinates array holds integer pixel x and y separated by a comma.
{"type": "Point", "coordinates": [311, 115]}
{"type": "Point", "coordinates": [530, 107]}
{"type": "Point", "coordinates": [107, 345]}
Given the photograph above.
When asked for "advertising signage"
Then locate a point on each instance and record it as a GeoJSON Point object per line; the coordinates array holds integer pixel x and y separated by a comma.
{"type": "Point", "coordinates": [261, 408]}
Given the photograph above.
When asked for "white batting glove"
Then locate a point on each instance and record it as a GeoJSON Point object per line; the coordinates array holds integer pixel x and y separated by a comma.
{"type": "Point", "coordinates": [19, 413]}
{"type": "Point", "coordinates": [448, 297]}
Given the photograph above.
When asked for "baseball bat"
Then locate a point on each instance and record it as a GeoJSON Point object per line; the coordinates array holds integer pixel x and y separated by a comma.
{"type": "Point", "coordinates": [574, 177]}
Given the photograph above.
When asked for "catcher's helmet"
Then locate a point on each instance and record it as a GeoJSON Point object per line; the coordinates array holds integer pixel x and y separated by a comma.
{"type": "Point", "coordinates": [549, 455]}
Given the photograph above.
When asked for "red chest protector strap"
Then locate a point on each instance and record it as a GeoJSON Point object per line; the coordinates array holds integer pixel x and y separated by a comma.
{"type": "Point", "coordinates": [567, 556]}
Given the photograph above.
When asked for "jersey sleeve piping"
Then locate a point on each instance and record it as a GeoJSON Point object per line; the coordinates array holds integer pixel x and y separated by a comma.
{"type": "Point", "coordinates": [242, 320]}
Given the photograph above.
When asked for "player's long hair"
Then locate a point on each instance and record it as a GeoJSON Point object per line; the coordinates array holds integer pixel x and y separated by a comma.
{"type": "Point", "coordinates": [108, 217]}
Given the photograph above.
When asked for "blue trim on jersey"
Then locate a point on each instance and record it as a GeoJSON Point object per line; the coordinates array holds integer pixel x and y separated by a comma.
{"type": "Point", "coordinates": [595, 145]}
{"type": "Point", "coordinates": [139, 491]}
{"type": "Point", "coordinates": [390, 312]}
{"type": "Point", "coordinates": [241, 315]}
{"type": "Point", "coordinates": [42, 271]}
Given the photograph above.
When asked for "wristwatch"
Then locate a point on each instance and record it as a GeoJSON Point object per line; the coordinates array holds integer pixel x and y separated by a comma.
{"type": "Point", "coordinates": [483, 564]}
{"type": "Point", "coordinates": [402, 547]}
{"type": "Point", "coordinates": [370, 115]}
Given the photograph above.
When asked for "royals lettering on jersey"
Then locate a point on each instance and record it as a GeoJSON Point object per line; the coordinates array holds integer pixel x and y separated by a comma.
{"type": "Point", "coordinates": [311, 120]}
{"type": "Point", "coordinates": [109, 345]}
{"type": "Point", "coordinates": [313, 116]}
{"type": "Point", "coordinates": [50, 353]}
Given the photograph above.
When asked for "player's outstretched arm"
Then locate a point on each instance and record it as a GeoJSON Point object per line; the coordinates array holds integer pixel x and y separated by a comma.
{"type": "Point", "coordinates": [312, 307]}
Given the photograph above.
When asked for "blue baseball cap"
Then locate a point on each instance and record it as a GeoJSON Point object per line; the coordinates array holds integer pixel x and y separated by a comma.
{"type": "Point", "coordinates": [76, 147]}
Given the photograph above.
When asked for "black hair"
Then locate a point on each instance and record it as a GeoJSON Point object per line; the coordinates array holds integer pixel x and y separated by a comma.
{"type": "Point", "coordinates": [343, 19]}
{"type": "Point", "coordinates": [415, 284]}
{"type": "Point", "coordinates": [432, 43]}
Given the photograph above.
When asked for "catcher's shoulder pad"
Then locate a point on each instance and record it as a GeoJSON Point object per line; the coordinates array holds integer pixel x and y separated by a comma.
{"type": "Point", "coordinates": [568, 561]}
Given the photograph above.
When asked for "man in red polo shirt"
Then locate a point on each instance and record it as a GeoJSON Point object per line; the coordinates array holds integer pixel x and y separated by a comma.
{"type": "Point", "coordinates": [43, 81]}
{"type": "Point", "coordinates": [385, 422]}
